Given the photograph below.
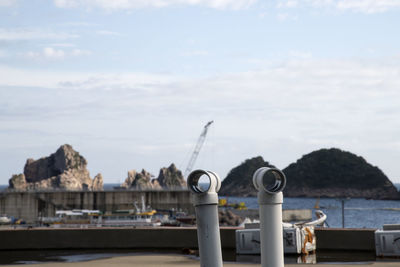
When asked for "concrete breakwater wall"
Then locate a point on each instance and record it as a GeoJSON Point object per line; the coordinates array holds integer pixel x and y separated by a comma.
{"type": "Point", "coordinates": [350, 240]}
{"type": "Point", "coordinates": [107, 238]}
{"type": "Point", "coordinates": [31, 205]}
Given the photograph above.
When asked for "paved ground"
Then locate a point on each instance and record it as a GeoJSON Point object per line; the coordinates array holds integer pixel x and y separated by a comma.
{"type": "Point", "coordinates": [178, 260]}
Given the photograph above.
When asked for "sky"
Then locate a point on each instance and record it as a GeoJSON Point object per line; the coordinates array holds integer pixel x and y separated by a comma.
{"type": "Point", "coordinates": [130, 84]}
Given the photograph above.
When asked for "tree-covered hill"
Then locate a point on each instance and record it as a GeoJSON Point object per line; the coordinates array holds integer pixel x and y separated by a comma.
{"type": "Point", "coordinates": [239, 181]}
{"type": "Point", "coordinates": [322, 173]}
{"type": "Point", "coordinates": [337, 173]}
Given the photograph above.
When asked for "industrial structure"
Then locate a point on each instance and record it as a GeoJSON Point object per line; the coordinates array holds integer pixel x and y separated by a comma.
{"type": "Point", "coordinates": [197, 149]}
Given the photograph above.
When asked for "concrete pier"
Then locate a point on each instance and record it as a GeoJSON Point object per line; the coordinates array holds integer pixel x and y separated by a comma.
{"type": "Point", "coordinates": [31, 205]}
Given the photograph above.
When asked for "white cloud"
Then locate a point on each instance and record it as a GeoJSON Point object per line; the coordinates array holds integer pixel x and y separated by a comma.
{"type": "Point", "coordinates": [79, 24]}
{"type": "Point", "coordinates": [300, 54]}
{"type": "Point", "coordinates": [62, 45]}
{"type": "Point", "coordinates": [368, 6]}
{"type": "Point", "coordinates": [133, 4]}
{"type": "Point", "coordinates": [282, 16]}
{"type": "Point", "coordinates": [7, 3]}
{"type": "Point", "coordinates": [286, 17]}
{"type": "Point", "coordinates": [262, 15]}
{"type": "Point", "coordinates": [108, 33]}
{"type": "Point", "coordinates": [362, 6]}
{"type": "Point", "coordinates": [79, 52]}
{"type": "Point", "coordinates": [52, 53]}
{"type": "Point", "coordinates": [66, 3]}
{"type": "Point", "coordinates": [320, 3]}
{"type": "Point", "coordinates": [287, 3]}
{"type": "Point", "coordinates": [22, 34]}
{"type": "Point", "coordinates": [47, 53]}
{"type": "Point", "coordinates": [57, 54]}
{"type": "Point", "coordinates": [301, 78]}
{"type": "Point", "coordinates": [282, 111]}
{"type": "Point", "coordinates": [195, 53]}
{"type": "Point", "coordinates": [79, 80]}
{"type": "Point", "coordinates": [301, 89]}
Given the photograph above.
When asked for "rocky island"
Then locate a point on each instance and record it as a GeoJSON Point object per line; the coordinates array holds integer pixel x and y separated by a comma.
{"type": "Point", "coordinates": [168, 178]}
{"type": "Point", "coordinates": [323, 173]}
{"type": "Point", "coordinates": [337, 173]}
{"type": "Point", "coordinates": [64, 170]}
{"type": "Point", "coordinates": [239, 181]}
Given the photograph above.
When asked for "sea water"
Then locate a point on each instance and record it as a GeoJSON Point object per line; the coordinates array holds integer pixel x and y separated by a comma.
{"type": "Point", "coordinates": [358, 212]}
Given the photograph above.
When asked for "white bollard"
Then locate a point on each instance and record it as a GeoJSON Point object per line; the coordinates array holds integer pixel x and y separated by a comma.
{"type": "Point", "coordinates": [270, 182]}
{"type": "Point", "coordinates": [206, 206]}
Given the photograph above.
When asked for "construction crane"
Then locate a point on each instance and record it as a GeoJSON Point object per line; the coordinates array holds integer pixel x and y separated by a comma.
{"type": "Point", "coordinates": [196, 151]}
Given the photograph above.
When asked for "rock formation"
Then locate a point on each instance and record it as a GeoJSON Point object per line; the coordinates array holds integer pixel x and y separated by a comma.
{"type": "Point", "coordinates": [171, 178]}
{"type": "Point", "coordinates": [17, 181]}
{"type": "Point", "coordinates": [156, 185]}
{"type": "Point", "coordinates": [228, 218]}
{"type": "Point", "coordinates": [97, 183]}
{"type": "Point", "coordinates": [168, 178]}
{"type": "Point", "coordinates": [239, 181]}
{"type": "Point", "coordinates": [65, 169]}
{"type": "Point", "coordinates": [138, 180]}
{"type": "Point", "coordinates": [336, 173]}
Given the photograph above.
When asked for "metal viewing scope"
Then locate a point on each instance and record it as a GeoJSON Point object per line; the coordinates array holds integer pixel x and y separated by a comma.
{"type": "Point", "coordinates": [271, 180]}
{"type": "Point", "coordinates": [205, 186]}
{"type": "Point", "coordinates": [213, 185]}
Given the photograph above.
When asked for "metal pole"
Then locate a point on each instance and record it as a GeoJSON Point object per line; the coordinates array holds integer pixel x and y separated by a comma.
{"type": "Point", "coordinates": [206, 206]}
{"type": "Point", "coordinates": [342, 213]}
{"type": "Point", "coordinates": [270, 182]}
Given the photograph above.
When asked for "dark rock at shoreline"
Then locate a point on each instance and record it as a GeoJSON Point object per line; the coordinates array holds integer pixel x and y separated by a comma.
{"type": "Point", "coordinates": [65, 169]}
{"type": "Point", "coordinates": [239, 181]}
{"type": "Point", "coordinates": [229, 218]}
{"type": "Point", "coordinates": [336, 173]}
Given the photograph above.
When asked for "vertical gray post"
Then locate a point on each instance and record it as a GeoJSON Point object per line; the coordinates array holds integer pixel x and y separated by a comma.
{"type": "Point", "coordinates": [342, 200]}
{"type": "Point", "coordinates": [206, 205]}
{"type": "Point", "coordinates": [270, 182]}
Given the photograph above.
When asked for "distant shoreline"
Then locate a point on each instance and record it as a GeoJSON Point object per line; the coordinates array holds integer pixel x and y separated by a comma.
{"type": "Point", "coordinates": [110, 186]}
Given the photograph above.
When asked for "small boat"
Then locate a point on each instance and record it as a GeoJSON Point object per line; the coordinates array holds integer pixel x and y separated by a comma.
{"type": "Point", "coordinates": [136, 217]}
{"type": "Point", "coordinates": [320, 221]}
{"type": "Point", "coordinates": [118, 220]}
{"type": "Point", "coordinates": [94, 218]}
{"type": "Point", "coordinates": [5, 220]}
{"type": "Point", "coordinates": [70, 217]}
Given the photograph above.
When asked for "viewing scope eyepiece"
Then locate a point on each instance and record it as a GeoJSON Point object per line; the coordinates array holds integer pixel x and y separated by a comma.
{"type": "Point", "coordinates": [213, 183]}
{"type": "Point", "coordinates": [271, 180]}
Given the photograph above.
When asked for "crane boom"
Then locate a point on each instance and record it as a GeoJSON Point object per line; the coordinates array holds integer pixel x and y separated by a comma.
{"type": "Point", "coordinates": [196, 151]}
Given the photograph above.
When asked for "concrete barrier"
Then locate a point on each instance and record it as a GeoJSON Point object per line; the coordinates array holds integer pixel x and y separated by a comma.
{"type": "Point", "coordinates": [108, 238]}
{"type": "Point", "coordinates": [328, 240]}
{"type": "Point", "coordinates": [31, 205]}
{"type": "Point", "coordinates": [345, 239]}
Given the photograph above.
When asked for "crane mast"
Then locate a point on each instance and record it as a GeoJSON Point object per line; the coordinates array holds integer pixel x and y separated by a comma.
{"type": "Point", "coordinates": [197, 149]}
